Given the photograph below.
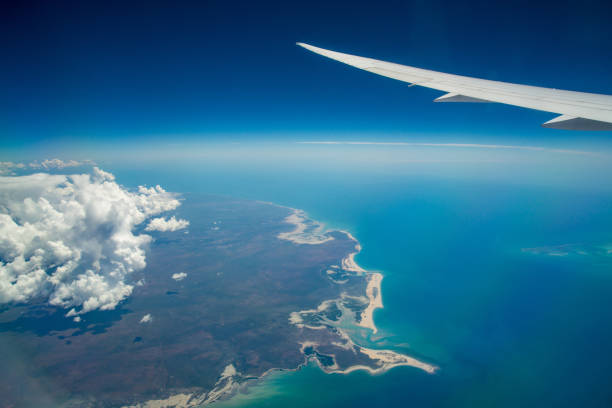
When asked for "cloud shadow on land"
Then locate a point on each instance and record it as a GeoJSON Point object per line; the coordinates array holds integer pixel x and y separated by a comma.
{"type": "Point", "coordinates": [44, 320]}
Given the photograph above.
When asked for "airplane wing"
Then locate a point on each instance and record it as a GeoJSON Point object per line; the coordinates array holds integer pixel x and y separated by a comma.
{"type": "Point", "coordinates": [577, 110]}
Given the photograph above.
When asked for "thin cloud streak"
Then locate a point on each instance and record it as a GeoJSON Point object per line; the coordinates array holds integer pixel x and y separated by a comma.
{"type": "Point", "coordinates": [460, 145]}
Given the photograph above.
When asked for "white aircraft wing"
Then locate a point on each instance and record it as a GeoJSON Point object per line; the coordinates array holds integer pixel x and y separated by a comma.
{"type": "Point", "coordinates": [578, 110]}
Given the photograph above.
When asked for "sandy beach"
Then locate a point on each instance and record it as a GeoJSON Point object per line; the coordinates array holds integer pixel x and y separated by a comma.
{"type": "Point", "coordinates": [224, 387]}
{"type": "Point", "coordinates": [310, 232]}
{"type": "Point", "coordinates": [306, 231]}
{"type": "Point", "coordinates": [386, 360]}
{"type": "Point", "coordinates": [374, 295]}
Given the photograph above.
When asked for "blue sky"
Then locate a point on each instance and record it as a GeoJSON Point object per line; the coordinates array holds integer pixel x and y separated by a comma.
{"type": "Point", "coordinates": [82, 73]}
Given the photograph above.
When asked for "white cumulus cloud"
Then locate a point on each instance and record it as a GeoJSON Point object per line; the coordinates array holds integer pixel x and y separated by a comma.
{"type": "Point", "coordinates": [146, 318]}
{"type": "Point", "coordinates": [70, 240]}
{"type": "Point", "coordinates": [58, 164]}
{"type": "Point", "coordinates": [179, 276]}
{"type": "Point", "coordinates": [7, 167]}
{"type": "Point", "coordinates": [162, 224]}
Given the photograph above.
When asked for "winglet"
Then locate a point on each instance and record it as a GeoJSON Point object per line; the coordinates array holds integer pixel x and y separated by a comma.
{"type": "Point", "coordinates": [317, 50]}
{"type": "Point", "coordinates": [349, 59]}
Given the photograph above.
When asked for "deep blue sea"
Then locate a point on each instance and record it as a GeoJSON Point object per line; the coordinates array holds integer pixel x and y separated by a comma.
{"type": "Point", "coordinates": [503, 281]}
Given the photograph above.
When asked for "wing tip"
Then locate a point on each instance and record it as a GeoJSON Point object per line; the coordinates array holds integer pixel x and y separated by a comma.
{"type": "Point", "coordinates": [307, 46]}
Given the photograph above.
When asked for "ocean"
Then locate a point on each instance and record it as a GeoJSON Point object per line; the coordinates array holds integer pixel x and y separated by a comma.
{"type": "Point", "coordinates": [504, 282]}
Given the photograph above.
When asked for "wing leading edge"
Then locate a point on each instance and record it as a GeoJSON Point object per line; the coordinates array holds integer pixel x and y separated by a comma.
{"type": "Point", "coordinates": [578, 110]}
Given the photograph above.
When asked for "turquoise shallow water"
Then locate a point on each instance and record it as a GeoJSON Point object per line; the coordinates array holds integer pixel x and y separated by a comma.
{"type": "Point", "coordinates": [507, 327]}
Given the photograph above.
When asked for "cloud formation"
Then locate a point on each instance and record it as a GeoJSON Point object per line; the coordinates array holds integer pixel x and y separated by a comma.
{"type": "Point", "coordinates": [179, 276]}
{"type": "Point", "coordinates": [8, 168]}
{"type": "Point", "coordinates": [49, 164]}
{"type": "Point", "coordinates": [171, 224]}
{"type": "Point", "coordinates": [572, 249]}
{"type": "Point", "coordinates": [146, 318]}
{"type": "Point", "coordinates": [70, 240]}
{"type": "Point", "coordinates": [458, 145]}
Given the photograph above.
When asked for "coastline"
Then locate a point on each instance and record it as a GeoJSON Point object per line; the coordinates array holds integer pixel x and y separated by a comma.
{"type": "Point", "coordinates": [315, 320]}
{"type": "Point", "coordinates": [374, 295]}
{"type": "Point", "coordinates": [349, 263]}
{"type": "Point", "coordinates": [306, 231]}
{"type": "Point", "coordinates": [383, 359]}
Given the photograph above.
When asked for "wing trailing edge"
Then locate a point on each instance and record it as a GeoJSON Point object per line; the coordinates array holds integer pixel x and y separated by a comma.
{"type": "Point", "coordinates": [567, 122]}
{"type": "Point", "coordinates": [577, 110]}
